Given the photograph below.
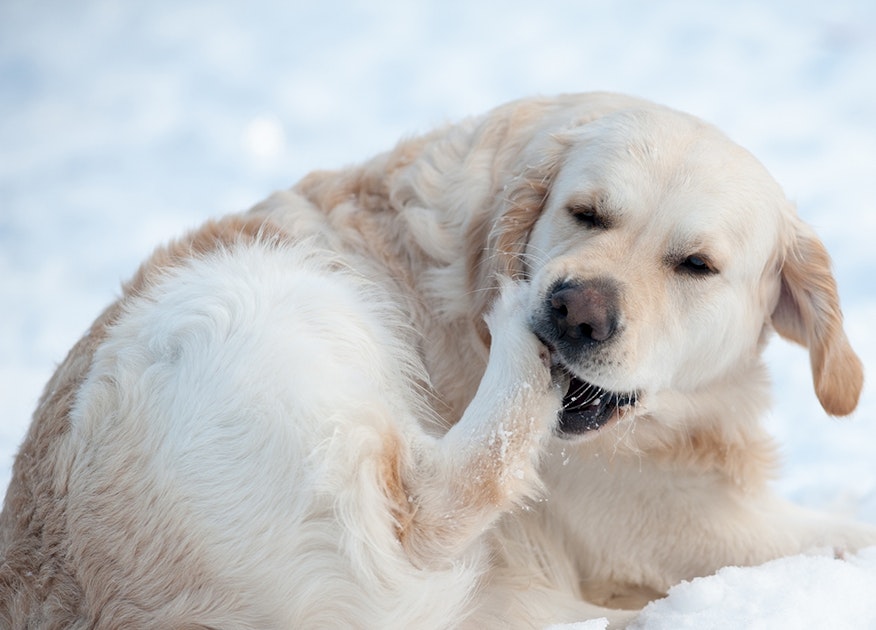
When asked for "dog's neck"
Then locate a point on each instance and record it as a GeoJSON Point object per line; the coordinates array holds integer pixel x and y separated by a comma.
{"type": "Point", "coordinates": [716, 430]}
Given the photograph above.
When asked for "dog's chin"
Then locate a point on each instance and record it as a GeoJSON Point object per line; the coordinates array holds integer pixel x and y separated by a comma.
{"type": "Point", "coordinates": [586, 406]}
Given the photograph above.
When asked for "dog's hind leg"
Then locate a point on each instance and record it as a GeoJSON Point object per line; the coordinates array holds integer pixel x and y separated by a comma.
{"type": "Point", "coordinates": [455, 487]}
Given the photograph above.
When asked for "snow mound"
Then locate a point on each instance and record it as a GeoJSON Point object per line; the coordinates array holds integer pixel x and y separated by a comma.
{"type": "Point", "coordinates": [817, 591]}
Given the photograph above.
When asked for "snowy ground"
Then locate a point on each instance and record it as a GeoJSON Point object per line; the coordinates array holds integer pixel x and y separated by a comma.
{"type": "Point", "coordinates": [122, 124]}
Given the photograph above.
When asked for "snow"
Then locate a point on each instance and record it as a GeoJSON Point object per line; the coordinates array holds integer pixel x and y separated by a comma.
{"type": "Point", "coordinates": [796, 592]}
{"type": "Point", "coordinates": [122, 124]}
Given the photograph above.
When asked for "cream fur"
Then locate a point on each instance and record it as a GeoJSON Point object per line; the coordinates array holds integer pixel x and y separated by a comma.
{"type": "Point", "coordinates": [332, 411]}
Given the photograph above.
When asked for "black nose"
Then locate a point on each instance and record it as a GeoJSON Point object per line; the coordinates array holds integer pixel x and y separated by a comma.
{"type": "Point", "coordinates": [583, 312]}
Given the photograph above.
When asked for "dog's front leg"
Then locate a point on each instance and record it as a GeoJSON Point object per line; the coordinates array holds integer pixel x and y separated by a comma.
{"type": "Point", "coordinates": [487, 462]}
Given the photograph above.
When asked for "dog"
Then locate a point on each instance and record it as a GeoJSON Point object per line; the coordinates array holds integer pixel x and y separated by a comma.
{"type": "Point", "coordinates": [507, 374]}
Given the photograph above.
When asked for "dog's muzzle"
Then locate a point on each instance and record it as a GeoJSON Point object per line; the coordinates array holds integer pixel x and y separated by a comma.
{"type": "Point", "coordinates": [579, 318]}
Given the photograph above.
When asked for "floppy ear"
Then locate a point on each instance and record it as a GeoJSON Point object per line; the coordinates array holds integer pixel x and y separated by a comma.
{"type": "Point", "coordinates": [808, 313]}
{"type": "Point", "coordinates": [531, 140]}
{"type": "Point", "coordinates": [499, 238]}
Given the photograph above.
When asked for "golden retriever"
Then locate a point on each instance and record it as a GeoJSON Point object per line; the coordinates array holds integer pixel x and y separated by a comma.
{"type": "Point", "coordinates": [507, 374]}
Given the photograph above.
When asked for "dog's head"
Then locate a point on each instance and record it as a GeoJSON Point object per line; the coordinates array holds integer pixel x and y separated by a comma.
{"type": "Point", "coordinates": [660, 255]}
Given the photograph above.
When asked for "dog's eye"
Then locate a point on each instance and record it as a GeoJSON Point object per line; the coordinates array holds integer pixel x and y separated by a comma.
{"type": "Point", "coordinates": [588, 217]}
{"type": "Point", "coordinates": [697, 264]}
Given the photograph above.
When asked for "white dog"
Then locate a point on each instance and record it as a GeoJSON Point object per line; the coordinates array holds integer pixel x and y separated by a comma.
{"type": "Point", "coordinates": [505, 375]}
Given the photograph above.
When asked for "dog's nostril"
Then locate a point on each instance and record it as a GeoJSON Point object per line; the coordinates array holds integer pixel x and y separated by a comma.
{"type": "Point", "coordinates": [558, 310]}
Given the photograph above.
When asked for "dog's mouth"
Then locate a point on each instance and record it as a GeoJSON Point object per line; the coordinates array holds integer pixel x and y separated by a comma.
{"type": "Point", "coordinates": [587, 407]}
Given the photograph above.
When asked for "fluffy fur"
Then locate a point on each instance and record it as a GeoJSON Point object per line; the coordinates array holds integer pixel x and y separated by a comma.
{"type": "Point", "coordinates": [340, 409]}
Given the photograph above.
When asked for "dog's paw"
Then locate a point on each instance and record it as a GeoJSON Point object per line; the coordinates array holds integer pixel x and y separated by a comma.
{"type": "Point", "coordinates": [512, 304]}
{"type": "Point", "coordinates": [514, 344]}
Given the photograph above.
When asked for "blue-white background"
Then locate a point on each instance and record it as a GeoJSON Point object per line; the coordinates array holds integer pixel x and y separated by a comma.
{"type": "Point", "coordinates": [124, 123]}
